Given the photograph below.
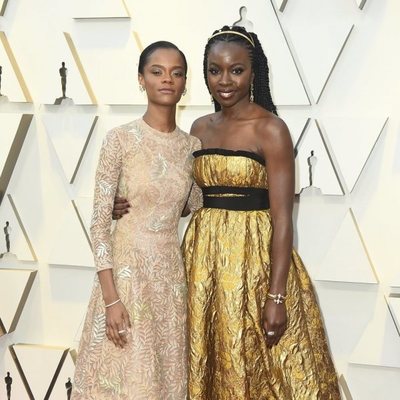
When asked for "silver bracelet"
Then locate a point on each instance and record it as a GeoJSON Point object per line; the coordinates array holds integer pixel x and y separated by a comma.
{"type": "Point", "coordinates": [277, 298]}
{"type": "Point", "coordinates": [111, 304]}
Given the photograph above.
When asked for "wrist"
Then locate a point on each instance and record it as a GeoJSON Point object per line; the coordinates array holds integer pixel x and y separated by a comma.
{"type": "Point", "coordinates": [277, 298]}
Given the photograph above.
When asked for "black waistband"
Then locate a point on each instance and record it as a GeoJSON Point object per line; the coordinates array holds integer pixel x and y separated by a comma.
{"type": "Point", "coordinates": [235, 198]}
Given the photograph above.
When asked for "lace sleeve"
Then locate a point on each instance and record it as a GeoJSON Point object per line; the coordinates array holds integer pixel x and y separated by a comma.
{"type": "Point", "coordinates": [195, 200]}
{"type": "Point", "coordinates": [106, 183]}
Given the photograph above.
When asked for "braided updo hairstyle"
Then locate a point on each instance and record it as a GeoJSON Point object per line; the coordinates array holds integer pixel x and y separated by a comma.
{"type": "Point", "coordinates": [259, 63]}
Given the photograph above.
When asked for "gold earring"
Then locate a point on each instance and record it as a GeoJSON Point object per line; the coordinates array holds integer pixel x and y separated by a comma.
{"type": "Point", "coordinates": [212, 99]}
{"type": "Point", "coordinates": [184, 92]}
{"type": "Point", "coordinates": [142, 88]}
{"type": "Point", "coordinates": [251, 93]}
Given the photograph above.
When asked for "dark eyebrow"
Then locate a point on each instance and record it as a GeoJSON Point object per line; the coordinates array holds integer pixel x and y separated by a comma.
{"type": "Point", "coordinates": [161, 66]}
{"type": "Point", "coordinates": [232, 66]}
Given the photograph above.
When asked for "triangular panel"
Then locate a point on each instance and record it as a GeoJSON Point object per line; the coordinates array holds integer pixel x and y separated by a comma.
{"type": "Point", "coordinates": [318, 30]}
{"type": "Point", "coordinates": [15, 285]}
{"type": "Point", "coordinates": [9, 126]}
{"type": "Point", "coordinates": [380, 343]}
{"type": "Point", "coordinates": [40, 366]}
{"type": "Point", "coordinates": [68, 235]}
{"type": "Point", "coordinates": [18, 388]}
{"type": "Point", "coordinates": [352, 140]}
{"type": "Point", "coordinates": [67, 372]}
{"type": "Point", "coordinates": [20, 243]}
{"type": "Point", "coordinates": [296, 123]}
{"type": "Point", "coordinates": [346, 259]}
{"type": "Point", "coordinates": [324, 175]}
{"type": "Point", "coordinates": [12, 152]}
{"type": "Point", "coordinates": [70, 135]}
{"type": "Point", "coordinates": [394, 306]}
{"type": "Point", "coordinates": [113, 47]}
{"type": "Point", "coordinates": [12, 82]}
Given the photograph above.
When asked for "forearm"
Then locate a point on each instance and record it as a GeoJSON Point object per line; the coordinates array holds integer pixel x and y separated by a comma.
{"type": "Point", "coordinates": [107, 284]}
{"type": "Point", "coordinates": [281, 251]}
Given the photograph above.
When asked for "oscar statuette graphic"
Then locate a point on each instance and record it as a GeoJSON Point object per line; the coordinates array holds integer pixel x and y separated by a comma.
{"type": "Point", "coordinates": [8, 380]}
{"type": "Point", "coordinates": [63, 71]}
{"type": "Point", "coordinates": [68, 387]}
{"type": "Point", "coordinates": [311, 190]}
{"type": "Point", "coordinates": [243, 21]}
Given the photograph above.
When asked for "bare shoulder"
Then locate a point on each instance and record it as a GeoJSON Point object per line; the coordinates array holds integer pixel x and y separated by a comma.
{"type": "Point", "coordinates": [199, 126]}
{"type": "Point", "coordinates": [273, 133]}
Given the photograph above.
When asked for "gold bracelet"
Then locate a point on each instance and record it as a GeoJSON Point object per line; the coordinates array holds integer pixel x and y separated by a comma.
{"type": "Point", "coordinates": [111, 304]}
{"type": "Point", "coordinates": [277, 298]}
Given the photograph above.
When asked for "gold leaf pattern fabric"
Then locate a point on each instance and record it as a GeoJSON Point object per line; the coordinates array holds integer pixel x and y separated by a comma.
{"type": "Point", "coordinates": [227, 258]}
{"type": "Point", "coordinates": [153, 170]}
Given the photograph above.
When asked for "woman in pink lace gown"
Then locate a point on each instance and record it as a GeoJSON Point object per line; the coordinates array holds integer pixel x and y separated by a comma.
{"type": "Point", "coordinates": [133, 344]}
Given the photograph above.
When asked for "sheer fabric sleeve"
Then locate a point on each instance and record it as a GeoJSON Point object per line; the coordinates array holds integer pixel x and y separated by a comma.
{"type": "Point", "coordinates": [195, 200]}
{"type": "Point", "coordinates": [106, 183]}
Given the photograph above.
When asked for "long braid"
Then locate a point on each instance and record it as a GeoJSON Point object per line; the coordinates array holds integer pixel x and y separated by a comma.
{"type": "Point", "coordinates": [262, 92]}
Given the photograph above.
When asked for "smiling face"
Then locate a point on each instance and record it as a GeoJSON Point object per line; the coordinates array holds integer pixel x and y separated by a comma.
{"type": "Point", "coordinates": [229, 73]}
{"type": "Point", "coordinates": [164, 77]}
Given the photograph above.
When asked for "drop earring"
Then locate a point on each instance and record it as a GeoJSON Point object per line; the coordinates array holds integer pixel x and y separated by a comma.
{"type": "Point", "coordinates": [141, 88]}
{"type": "Point", "coordinates": [212, 99]}
{"type": "Point", "coordinates": [184, 92]}
{"type": "Point", "coordinates": [251, 93]}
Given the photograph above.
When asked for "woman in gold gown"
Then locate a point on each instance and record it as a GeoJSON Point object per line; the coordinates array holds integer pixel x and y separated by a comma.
{"type": "Point", "coordinates": [255, 330]}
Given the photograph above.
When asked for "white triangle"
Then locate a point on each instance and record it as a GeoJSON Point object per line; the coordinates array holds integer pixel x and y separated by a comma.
{"type": "Point", "coordinates": [69, 134]}
{"type": "Point", "coordinates": [44, 78]}
{"type": "Point", "coordinates": [286, 83]}
{"type": "Point", "coordinates": [39, 364]}
{"type": "Point", "coordinates": [394, 305]}
{"type": "Point", "coordinates": [352, 140]}
{"type": "Point", "coordinates": [14, 284]}
{"type": "Point", "coordinates": [70, 245]}
{"type": "Point", "coordinates": [373, 383]}
{"type": "Point", "coordinates": [84, 207]}
{"type": "Point", "coordinates": [380, 343]}
{"type": "Point", "coordinates": [67, 371]}
{"type": "Point", "coordinates": [346, 259]}
{"type": "Point", "coordinates": [18, 390]}
{"type": "Point", "coordinates": [98, 9]}
{"type": "Point", "coordinates": [317, 31]}
{"type": "Point", "coordinates": [113, 46]}
{"type": "Point", "coordinates": [10, 85]}
{"type": "Point", "coordinates": [313, 244]}
{"type": "Point", "coordinates": [324, 176]}
{"type": "Point", "coordinates": [296, 123]}
{"type": "Point", "coordinates": [18, 241]}
{"type": "Point", "coordinates": [9, 125]}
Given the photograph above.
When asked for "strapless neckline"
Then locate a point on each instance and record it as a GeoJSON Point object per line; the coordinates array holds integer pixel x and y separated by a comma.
{"type": "Point", "coordinates": [230, 153]}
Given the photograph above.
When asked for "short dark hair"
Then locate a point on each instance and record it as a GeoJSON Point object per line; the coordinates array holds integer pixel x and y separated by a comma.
{"type": "Point", "coordinates": [259, 62]}
{"type": "Point", "coordinates": [151, 48]}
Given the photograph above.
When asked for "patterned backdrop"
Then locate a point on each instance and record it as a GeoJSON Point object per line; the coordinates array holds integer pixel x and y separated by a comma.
{"type": "Point", "coordinates": [334, 71]}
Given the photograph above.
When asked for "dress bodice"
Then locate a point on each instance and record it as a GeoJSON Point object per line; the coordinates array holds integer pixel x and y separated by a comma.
{"type": "Point", "coordinates": [221, 167]}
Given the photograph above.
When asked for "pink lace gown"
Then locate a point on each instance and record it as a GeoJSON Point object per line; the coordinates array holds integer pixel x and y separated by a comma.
{"type": "Point", "coordinates": [153, 170]}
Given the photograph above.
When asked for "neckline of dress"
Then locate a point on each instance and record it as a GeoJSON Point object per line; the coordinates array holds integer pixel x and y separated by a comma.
{"type": "Point", "coordinates": [165, 135]}
{"type": "Point", "coordinates": [229, 152]}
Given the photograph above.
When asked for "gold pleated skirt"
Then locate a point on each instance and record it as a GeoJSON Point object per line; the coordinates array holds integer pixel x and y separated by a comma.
{"type": "Point", "coordinates": [227, 259]}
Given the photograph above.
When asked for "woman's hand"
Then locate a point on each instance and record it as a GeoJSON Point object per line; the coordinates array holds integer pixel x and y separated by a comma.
{"type": "Point", "coordinates": [121, 207]}
{"type": "Point", "coordinates": [274, 321]}
{"type": "Point", "coordinates": [117, 324]}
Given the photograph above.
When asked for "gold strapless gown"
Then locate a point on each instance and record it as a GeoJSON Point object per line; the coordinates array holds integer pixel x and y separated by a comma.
{"type": "Point", "coordinates": [227, 258]}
